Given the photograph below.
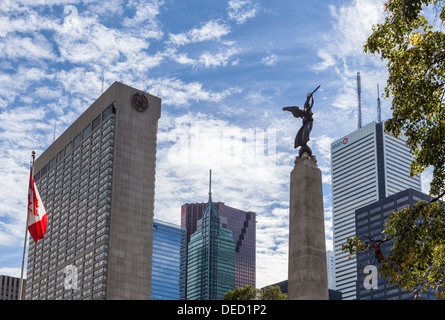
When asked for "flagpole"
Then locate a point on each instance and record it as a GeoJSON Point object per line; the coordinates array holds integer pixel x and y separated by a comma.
{"type": "Point", "coordinates": [26, 238]}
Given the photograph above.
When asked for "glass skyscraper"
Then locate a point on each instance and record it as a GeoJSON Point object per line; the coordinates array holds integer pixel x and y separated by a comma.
{"type": "Point", "coordinates": [211, 257]}
{"type": "Point", "coordinates": [367, 165]}
{"type": "Point", "coordinates": [243, 227]}
{"type": "Point", "coordinates": [168, 248]}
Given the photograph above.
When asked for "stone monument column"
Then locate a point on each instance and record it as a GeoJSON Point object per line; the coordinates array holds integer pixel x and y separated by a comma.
{"type": "Point", "coordinates": [307, 279]}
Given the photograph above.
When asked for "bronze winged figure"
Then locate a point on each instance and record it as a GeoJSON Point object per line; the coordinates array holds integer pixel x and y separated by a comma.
{"type": "Point", "coordinates": [302, 137]}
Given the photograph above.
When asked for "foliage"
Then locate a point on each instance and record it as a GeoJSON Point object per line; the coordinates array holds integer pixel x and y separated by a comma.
{"type": "Point", "coordinates": [251, 293]}
{"type": "Point", "coordinates": [414, 51]}
{"type": "Point", "coordinates": [273, 293]}
{"type": "Point", "coordinates": [415, 56]}
{"type": "Point", "coordinates": [243, 293]}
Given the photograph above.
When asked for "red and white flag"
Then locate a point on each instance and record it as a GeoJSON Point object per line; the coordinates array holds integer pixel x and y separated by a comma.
{"type": "Point", "coordinates": [37, 218]}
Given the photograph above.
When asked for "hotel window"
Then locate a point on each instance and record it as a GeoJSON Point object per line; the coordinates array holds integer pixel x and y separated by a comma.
{"type": "Point", "coordinates": [77, 139]}
{"type": "Point", "coordinates": [96, 122]}
{"type": "Point", "coordinates": [86, 131]}
{"type": "Point", "coordinates": [68, 148]}
{"type": "Point", "coordinates": [109, 110]}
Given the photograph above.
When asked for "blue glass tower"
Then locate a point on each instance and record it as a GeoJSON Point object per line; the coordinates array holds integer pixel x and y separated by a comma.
{"type": "Point", "coordinates": [168, 246]}
{"type": "Point", "coordinates": [211, 256]}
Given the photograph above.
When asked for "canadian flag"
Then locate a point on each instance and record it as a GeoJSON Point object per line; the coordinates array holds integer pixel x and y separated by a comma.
{"type": "Point", "coordinates": [37, 218]}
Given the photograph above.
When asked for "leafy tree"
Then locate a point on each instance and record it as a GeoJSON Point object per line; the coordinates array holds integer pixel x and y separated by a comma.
{"type": "Point", "coordinates": [273, 293]}
{"type": "Point", "coordinates": [251, 293]}
{"type": "Point", "coordinates": [243, 293]}
{"type": "Point", "coordinates": [414, 51]}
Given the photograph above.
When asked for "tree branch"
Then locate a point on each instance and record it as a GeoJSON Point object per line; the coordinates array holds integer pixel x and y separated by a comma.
{"type": "Point", "coordinates": [437, 198]}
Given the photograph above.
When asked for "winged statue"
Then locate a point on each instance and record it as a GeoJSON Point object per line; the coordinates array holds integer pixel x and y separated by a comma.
{"type": "Point", "coordinates": [302, 137]}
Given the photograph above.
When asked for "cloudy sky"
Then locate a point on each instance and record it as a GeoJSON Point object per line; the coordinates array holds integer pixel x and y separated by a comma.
{"type": "Point", "coordinates": [223, 69]}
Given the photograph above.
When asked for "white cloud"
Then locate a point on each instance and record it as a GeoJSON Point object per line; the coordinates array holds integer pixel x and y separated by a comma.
{"type": "Point", "coordinates": [12, 272]}
{"type": "Point", "coordinates": [144, 22]}
{"type": "Point", "coordinates": [241, 10]}
{"type": "Point", "coordinates": [351, 27]}
{"type": "Point", "coordinates": [221, 58]}
{"type": "Point", "coordinates": [82, 39]}
{"type": "Point", "coordinates": [270, 60]}
{"type": "Point", "coordinates": [328, 60]}
{"type": "Point", "coordinates": [208, 57]}
{"type": "Point", "coordinates": [176, 92]}
{"type": "Point", "coordinates": [205, 59]}
{"type": "Point", "coordinates": [353, 24]}
{"type": "Point", "coordinates": [323, 146]}
{"type": "Point", "coordinates": [212, 30]}
{"type": "Point", "coordinates": [16, 47]}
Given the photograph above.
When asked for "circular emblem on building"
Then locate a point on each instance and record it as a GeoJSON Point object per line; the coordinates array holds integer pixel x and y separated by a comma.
{"type": "Point", "coordinates": [139, 102]}
{"type": "Point", "coordinates": [345, 140]}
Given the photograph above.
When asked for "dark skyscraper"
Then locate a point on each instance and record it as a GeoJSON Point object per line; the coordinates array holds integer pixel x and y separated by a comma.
{"type": "Point", "coordinates": [369, 223]}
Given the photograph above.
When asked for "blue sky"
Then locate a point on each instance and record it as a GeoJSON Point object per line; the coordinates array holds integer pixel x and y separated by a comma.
{"type": "Point", "coordinates": [223, 69]}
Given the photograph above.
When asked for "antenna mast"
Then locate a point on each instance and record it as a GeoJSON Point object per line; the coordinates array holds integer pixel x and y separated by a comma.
{"type": "Point", "coordinates": [102, 80]}
{"type": "Point", "coordinates": [379, 109]}
{"type": "Point", "coordinates": [359, 91]}
{"type": "Point", "coordinates": [210, 182]}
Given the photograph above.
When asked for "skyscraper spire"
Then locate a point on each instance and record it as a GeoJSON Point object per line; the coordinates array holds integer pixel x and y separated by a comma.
{"type": "Point", "coordinates": [210, 183]}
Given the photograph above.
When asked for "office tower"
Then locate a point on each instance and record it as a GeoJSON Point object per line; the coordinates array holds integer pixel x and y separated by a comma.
{"type": "Point", "coordinates": [9, 287]}
{"type": "Point", "coordinates": [97, 184]}
{"type": "Point", "coordinates": [168, 248]}
{"type": "Point", "coordinates": [331, 269]}
{"type": "Point", "coordinates": [211, 257]}
{"type": "Point", "coordinates": [367, 165]}
{"type": "Point", "coordinates": [369, 221]}
{"type": "Point", "coordinates": [243, 227]}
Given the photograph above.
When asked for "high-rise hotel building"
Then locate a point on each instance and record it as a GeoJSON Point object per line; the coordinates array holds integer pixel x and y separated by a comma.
{"type": "Point", "coordinates": [97, 184]}
{"type": "Point", "coordinates": [367, 165]}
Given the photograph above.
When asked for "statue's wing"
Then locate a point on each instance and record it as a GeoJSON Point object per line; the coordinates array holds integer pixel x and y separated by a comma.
{"type": "Point", "coordinates": [296, 111]}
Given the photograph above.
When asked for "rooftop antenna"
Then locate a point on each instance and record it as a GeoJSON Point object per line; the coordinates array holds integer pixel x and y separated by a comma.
{"type": "Point", "coordinates": [379, 109]}
{"type": "Point", "coordinates": [359, 91]}
{"type": "Point", "coordinates": [54, 132]}
{"type": "Point", "coordinates": [102, 80]}
{"type": "Point", "coordinates": [210, 182]}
